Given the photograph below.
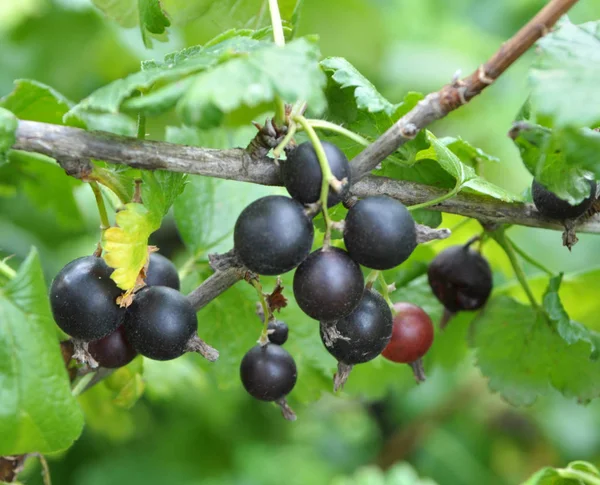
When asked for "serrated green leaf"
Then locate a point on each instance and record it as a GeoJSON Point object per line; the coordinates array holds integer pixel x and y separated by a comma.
{"type": "Point", "coordinates": [175, 68]}
{"type": "Point", "coordinates": [564, 476]}
{"type": "Point", "coordinates": [8, 128]}
{"type": "Point", "coordinates": [565, 73]}
{"type": "Point", "coordinates": [126, 245]}
{"type": "Point", "coordinates": [153, 20]}
{"type": "Point", "coordinates": [37, 410]}
{"type": "Point", "coordinates": [466, 152]}
{"type": "Point", "coordinates": [254, 81]}
{"type": "Point", "coordinates": [34, 101]}
{"type": "Point", "coordinates": [523, 355]}
{"type": "Point", "coordinates": [160, 189]}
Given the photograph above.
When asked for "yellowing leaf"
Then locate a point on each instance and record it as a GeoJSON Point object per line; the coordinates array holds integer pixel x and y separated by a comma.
{"type": "Point", "coordinates": [126, 246]}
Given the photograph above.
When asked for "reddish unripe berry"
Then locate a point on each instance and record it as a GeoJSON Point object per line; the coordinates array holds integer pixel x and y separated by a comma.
{"type": "Point", "coordinates": [412, 334]}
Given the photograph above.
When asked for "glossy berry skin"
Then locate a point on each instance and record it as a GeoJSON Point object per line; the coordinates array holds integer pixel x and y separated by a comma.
{"type": "Point", "coordinates": [268, 372]}
{"type": "Point", "coordinates": [280, 332]}
{"type": "Point", "coordinates": [83, 299]}
{"type": "Point", "coordinates": [112, 351]}
{"type": "Point", "coordinates": [162, 272]}
{"type": "Point", "coordinates": [301, 173]}
{"type": "Point", "coordinates": [460, 278]}
{"type": "Point", "coordinates": [160, 322]}
{"type": "Point", "coordinates": [328, 285]}
{"type": "Point", "coordinates": [412, 334]}
{"type": "Point", "coordinates": [379, 232]}
{"type": "Point", "coordinates": [273, 235]}
{"type": "Point", "coordinates": [362, 335]}
{"type": "Point", "coordinates": [556, 208]}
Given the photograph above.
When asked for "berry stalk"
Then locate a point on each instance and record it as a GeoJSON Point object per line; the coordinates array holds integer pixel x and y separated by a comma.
{"type": "Point", "coordinates": [104, 222]}
{"type": "Point", "coordinates": [340, 130]}
{"type": "Point", "coordinates": [437, 200]}
{"type": "Point", "coordinates": [385, 292]}
{"type": "Point", "coordinates": [529, 258]}
{"type": "Point", "coordinates": [266, 310]}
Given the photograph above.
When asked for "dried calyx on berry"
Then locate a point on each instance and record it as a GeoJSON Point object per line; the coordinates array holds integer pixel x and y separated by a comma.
{"type": "Point", "coordinates": [461, 279]}
{"type": "Point", "coordinates": [359, 337]}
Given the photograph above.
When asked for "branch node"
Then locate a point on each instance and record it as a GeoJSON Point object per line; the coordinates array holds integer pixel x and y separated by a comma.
{"type": "Point", "coordinates": [483, 77]}
{"type": "Point", "coordinates": [196, 344]}
{"type": "Point", "coordinates": [409, 130]}
{"type": "Point", "coordinates": [82, 355]}
{"type": "Point", "coordinates": [426, 233]}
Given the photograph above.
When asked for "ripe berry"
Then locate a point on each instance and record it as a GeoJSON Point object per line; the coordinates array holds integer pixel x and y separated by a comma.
{"type": "Point", "coordinates": [362, 335]}
{"type": "Point", "coordinates": [379, 232]}
{"type": "Point", "coordinates": [302, 175]}
{"type": "Point", "coordinates": [552, 206]}
{"type": "Point", "coordinates": [328, 285]}
{"type": "Point", "coordinates": [268, 372]}
{"type": "Point", "coordinates": [412, 334]}
{"type": "Point", "coordinates": [273, 235]}
{"type": "Point", "coordinates": [460, 278]}
{"type": "Point", "coordinates": [83, 299]}
{"type": "Point", "coordinates": [279, 335]}
{"type": "Point", "coordinates": [112, 351]}
{"type": "Point", "coordinates": [160, 322]}
{"type": "Point", "coordinates": [161, 272]}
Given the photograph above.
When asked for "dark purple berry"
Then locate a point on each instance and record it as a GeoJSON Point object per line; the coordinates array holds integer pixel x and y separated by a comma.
{"type": "Point", "coordinates": [83, 299]}
{"type": "Point", "coordinates": [162, 272]}
{"type": "Point", "coordinates": [379, 232]}
{"type": "Point", "coordinates": [112, 351]}
{"type": "Point", "coordinates": [328, 285]}
{"type": "Point", "coordinates": [273, 235]}
{"type": "Point", "coordinates": [460, 278]}
{"type": "Point", "coordinates": [268, 372]}
{"type": "Point", "coordinates": [554, 207]}
{"type": "Point", "coordinates": [160, 322]}
{"type": "Point", "coordinates": [302, 176]}
{"type": "Point", "coordinates": [280, 330]}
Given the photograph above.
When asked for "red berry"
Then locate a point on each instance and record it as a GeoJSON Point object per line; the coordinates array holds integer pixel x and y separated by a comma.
{"type": "Point", "coordinates": [412, 334]}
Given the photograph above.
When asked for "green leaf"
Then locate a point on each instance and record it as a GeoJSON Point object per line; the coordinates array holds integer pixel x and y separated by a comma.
{"type": "Point", "coordinates": [571, 475]}
{"type": "Point", "coordinates": [518, 349]}
{"type": "Point", "coordinates": [38, 412]}
{"type": "Point", "coordinates": [254, 81]}
{"type": "Point", "coordinates": [565, 73]}
{"type": "Point", "coordinates": [160, 189]}
{"type": "Point", "coordinates": [174, 68]}
{"type": "Point", "coordinates": [466, 152]}
{"type": "Point", "coordinates": [124, 12]}
{"type": "Point", "coordinates": [8, 127]}
{"type": "Point", "coordinates": [400, 474]}
{"type": "Point", "coordinates": [127, 383]}
{"type": "Point", "coordinates": [153, 20]}
{"type": "Point", "coordinates": [34, 101]}
{"type": "Point", "coordinates": [559, 158]}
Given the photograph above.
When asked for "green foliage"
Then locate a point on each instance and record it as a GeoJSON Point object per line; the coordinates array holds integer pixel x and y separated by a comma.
{"type": "Point", "coordinates": [8, 126]}
{"type": "Point", "coordinates": [399, 474]}
{"type": "Point", "coordinates": [576, 473]}
{"type": "Point", "coordinates": [31, 100]}
{"type": "Point", "coordinates": [38, 412]}
{"type": "Point", "coordinates": [564, 78]}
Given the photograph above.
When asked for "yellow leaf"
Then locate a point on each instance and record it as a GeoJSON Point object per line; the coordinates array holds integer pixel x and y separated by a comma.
{"type": "Point", "coordinates": [126, 246]}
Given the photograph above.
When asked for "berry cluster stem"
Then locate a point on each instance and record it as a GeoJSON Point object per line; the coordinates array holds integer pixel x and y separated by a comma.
{"type": "Point", "coordinates": [340, 130]}
{"type": "Point", "coordinates": [529, 258]}
{"type": "Point", "coordinates": [141, 127]}
{"type": "Point", "coordinates": [328, 177]}
{"type": "Point", "coordinates": [264, 336]}
{"type": "Point", "coordinates": [292, 127]}
{"type": "Point", "coordinates": [371, 279]}
{"type": "Point", "coordinates": [437, 200]}
{"type": "Point", "coordinates": [505, 244]}
{"type": "Point", "coordinates": [110, 180]}
{"type": "Point", "coordinates": [104, 222]}
{"type": "Point", "coordinates": [385, 292]}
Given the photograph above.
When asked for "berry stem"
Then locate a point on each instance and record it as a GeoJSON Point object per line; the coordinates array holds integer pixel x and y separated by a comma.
{"type": "Point", "coordinates": [437, 200]}
{"type": "Point", "coordinates": [529, 258]}
{"type": "Point", "coordinates": [196, 344]}
{"type": "Point", "coordinates": [279, 39]}
{"type": "Point", "coordinates": [292, 127]}
{"type": "Point", "coordinates": [141, 127]}
{"type": "Point", "coordinates": [6, 270]}
{"type": "Point", "coordinates": [371, 279]}
{"type": "Point", "coordinates": [341, 376]}
{"type": "Point", "coordinates": [340, 130]}
{"type": "Point", "coordinates": [45, 469]}
{"type": "Point", "coordinates": [505, 244]}
{"type": "Point", "coordinates": [82, 384]}
{"type": "Point", "coordinates": [328, 178]}
{"type": "Point", "coordinates": [264, 336]}
{"type": "Point", "coordinates": [104, 222]}
{"type": "Point", "coordinates": [385, 292]}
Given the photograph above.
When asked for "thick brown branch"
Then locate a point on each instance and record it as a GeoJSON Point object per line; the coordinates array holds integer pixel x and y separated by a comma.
{"type": "Point", "coordinates": [452, 96]}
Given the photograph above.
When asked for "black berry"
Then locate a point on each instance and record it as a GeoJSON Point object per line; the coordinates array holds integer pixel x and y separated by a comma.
{"type": "Point", "coordinates": [302, 176]}
{"type": "Point", "coordinates": [362, 335]}
{"type": "Point", "coordinates": [328, 285]}
{"type": "Point", "coordinates": [160, 322]}
{"type": "Point", "coordinates": [556, 208]}
{"type": "Point", "coordinates": [161, 272]}
{"type": "Point", "coordinates": [112, 351]}
{"type": "Point", "coordinates": [268, 372]}
{"type": "Point", "coordinates": [279, 335]}
{"type": "Point", "coordinates": [273, 235]}
{"type": "Point", "coordinates": [83, 299]}
{"type": "Point", "coordinates": [460, 278]}
{"type": "Point", "coordinates": [379, 232]}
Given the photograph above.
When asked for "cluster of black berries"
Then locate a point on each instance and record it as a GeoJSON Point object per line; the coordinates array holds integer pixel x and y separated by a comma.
{"type": "Point", "coordinates": [274, 235]}
{"type": "Point", "coordinates": [160, 324]}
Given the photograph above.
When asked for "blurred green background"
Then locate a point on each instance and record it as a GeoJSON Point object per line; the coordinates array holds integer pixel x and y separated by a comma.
{"type": "Point", "coordinates": [187, 431]}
